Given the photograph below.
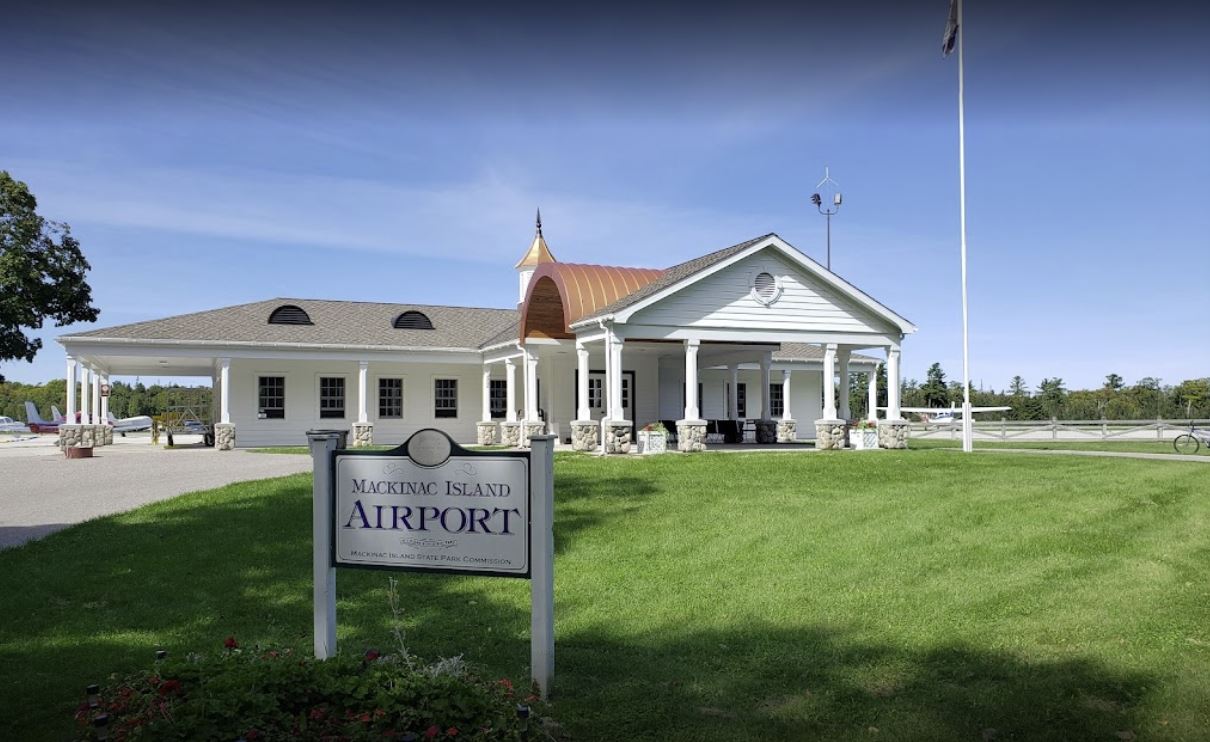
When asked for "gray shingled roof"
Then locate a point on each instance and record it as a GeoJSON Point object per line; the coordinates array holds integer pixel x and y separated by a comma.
{"type": "Point", "coordinates": [335, 323]}
{"type": "Point", "coordinates": [674, 275]}
{"type": "Point", "coordinates": [805, 352]}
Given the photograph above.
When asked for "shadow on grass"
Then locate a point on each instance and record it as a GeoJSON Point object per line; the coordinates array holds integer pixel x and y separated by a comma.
{"type": "Point", "coordinates": [184, 574]}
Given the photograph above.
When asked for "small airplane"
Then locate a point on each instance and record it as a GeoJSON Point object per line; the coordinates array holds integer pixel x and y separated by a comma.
{"type": "Point", "coordinates": [130, 424]}
{"type": "Point", "coordinates": [9, 425]}
{"type": "Point", "coordinates": [36, 423]}
{"type": "Point", "coordinates": [942, 416]}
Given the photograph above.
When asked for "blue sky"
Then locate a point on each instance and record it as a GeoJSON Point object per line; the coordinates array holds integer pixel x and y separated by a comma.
{"type": "Point", "coordinates": [396, 153]}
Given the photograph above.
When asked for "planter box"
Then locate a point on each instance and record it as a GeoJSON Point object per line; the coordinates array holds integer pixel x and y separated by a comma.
{"type": "Point", "coordinates": [862, 440]}
{"type": "Point", "coordinates": [652, 442]}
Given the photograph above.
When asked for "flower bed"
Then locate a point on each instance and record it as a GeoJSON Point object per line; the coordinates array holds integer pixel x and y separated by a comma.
{"type": "Point", "coordinates": [271, 694]}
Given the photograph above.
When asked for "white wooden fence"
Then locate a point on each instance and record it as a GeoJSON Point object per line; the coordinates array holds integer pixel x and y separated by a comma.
{"type": "Point", "coordinates": [1066, 429]}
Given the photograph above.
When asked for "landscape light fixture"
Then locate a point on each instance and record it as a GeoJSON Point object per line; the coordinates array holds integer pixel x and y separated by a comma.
{"type": "Point", "coordinates": [831, 187]}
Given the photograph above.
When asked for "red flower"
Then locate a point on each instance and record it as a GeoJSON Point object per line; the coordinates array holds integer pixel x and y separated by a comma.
{"type": "Point", "coordinates": [251, 734]}
{"type": "Point", "coordinates": [365, 717]}
{"type": "Point", "coordinates": [372, 654]}
{"type": "Point", "coordinates": [169, 686]}
{"type": "Point", "coordinates": [317, 714]}
{"type": "Point", "coordinates": [230, 643]}
{"type": "Point", "coordinates": [451, 732]}
{"type": "Point", "coordinates": [432, 731]}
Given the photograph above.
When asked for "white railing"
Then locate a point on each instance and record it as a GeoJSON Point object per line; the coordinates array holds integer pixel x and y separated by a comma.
{"type": "Point", "coordinates": [1066, 429]}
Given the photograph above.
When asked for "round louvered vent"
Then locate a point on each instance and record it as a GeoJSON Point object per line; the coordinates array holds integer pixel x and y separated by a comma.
{"type": "Point", "coordinates": [764, 288]}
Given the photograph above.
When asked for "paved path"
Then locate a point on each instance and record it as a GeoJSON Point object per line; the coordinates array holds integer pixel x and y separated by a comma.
{"type": "Point", "coordinates": [1105, 454]}
{"type": "Point", "coordinates": [42, 492]}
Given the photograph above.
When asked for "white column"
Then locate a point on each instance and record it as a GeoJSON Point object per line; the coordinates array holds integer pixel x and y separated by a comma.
{"type": "Point", "coordinates": [766, 380]}
{"type": "Point", "coordinates": [531, 386]}
{"type": "Point", "coordinates": [582, 410]}
{"type": "Point", "coordinates": [224, 395]}
{"type": "Point", "coordinates": [510, 386]}
{"type": "Point", "coordinates": [733, 402]}
{"type": "Point", "coordinates": [892, 385]}
{"type": "Point", "coordinates": [487, 394]}
{"type": "Point", "coordinates": [845, 391]}
{"type": "Point", "coordinates": [691, 410]}
{"type": "Point", "coordinates": [872, 389]}
{"type": "Point", "coordinates": [363, 392]}
{"type": "Point", "coordinates": [85, 406]}
{"type": "Point", "coordinates": [615, 348]}
{"type": "Point", "coordinates": [71, 391]}
{"type": "Point", "coordinates": [829, 382]}
{"type": "Point", "coordinates": [105, 400]}
{"type": "Point", "coordinates": [785, 395]}
{"type": "Point", "coordinates": [95, 400]}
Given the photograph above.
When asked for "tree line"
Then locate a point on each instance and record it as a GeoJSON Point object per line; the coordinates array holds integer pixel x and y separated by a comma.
{"type": "Point", "coordinates": [125, 400]}
{"type": "Point", "coordinates": [1146, 399]}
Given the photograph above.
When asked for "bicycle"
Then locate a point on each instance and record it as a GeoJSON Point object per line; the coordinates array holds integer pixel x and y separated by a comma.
{"type": "Point", "coordinates": [1193, 440]}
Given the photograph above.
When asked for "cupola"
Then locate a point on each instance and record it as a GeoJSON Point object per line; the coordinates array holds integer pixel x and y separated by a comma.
{"type": "Point", "coordinates": [537, 254]}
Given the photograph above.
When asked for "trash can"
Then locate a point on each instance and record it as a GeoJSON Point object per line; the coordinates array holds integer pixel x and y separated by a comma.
{"type": "Point", "coordinates": [344, 435]}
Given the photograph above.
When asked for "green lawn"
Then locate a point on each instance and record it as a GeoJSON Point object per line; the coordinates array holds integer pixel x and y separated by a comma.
{"type": "Point", "coordinates": [1136, 446]}
{"type": "Point", "coordinates": [894, 595]}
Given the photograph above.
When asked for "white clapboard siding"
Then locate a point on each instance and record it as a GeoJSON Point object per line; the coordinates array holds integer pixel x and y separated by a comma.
{"type": "Point", "coordinates": [302, 400]}
{"type": "Point", "coordinates": [724, 300]}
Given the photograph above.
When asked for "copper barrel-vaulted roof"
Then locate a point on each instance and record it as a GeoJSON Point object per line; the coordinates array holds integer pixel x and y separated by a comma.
{"type": "Point", "coordinates": [562, 293]}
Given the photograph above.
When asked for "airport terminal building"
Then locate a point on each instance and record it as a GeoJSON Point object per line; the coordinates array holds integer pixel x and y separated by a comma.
{"type": "Point", "coordinates": [744, 343]}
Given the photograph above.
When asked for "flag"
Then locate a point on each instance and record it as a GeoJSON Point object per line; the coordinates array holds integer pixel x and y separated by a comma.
{"type": "Point", "coordinates": [950, 36]}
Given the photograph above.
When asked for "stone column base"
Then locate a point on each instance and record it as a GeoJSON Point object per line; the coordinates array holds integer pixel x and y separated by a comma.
{"type": "Point", "coordinates": [585, 435]}
{"type": "Point", "coordinates": [830, 434]}
{"type": "Point", "coordinates": [787, 431]}
{"type": "Point", "coordinates": [224, 436]}
{"type": "Point", "coordinates": [893, 433]}
{"type": "Point", "coordinates": [108, 434]}
{"type": "Point", "coordinates": [617, 436]}
{"type": "Point", "coordinates": [72, 436]}
{"type": "Point", "coordinates": [510, 434]}
{"type": "Point", "coordinates": [690, 435]}
{"type": "Point", "coordinates": [766, 431]}
{"type": "Point", "coordinates": [485, 433]}
{"type": "Point", "coordinates": [529, 430]}
{"type": "Point", "coordinates": [363, 435]}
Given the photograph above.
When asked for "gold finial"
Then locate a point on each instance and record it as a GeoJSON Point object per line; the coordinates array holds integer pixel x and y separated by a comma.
{"type": "Point", "coordinates": [538, 252]}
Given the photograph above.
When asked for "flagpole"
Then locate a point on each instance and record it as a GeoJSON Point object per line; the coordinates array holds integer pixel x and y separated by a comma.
{"type": "Point", "coordinates": [967, 422]}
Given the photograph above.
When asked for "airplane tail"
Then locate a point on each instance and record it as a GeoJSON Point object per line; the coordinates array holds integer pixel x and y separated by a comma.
{"type": "Point", "coordinates": [111, 419]}
{"type": "Point", "coordinates": [56, 415]}
{"type": "Point", "coordinates": [31, 412]}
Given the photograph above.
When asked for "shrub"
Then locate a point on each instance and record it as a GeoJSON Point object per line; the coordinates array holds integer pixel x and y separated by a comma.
{"type": "Point", "coordinates": [656, 427]}
{"type": "Point", "coordinates": [271, 694]}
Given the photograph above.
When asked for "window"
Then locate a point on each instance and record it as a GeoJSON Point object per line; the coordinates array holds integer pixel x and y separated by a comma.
{"type": "Point", "coordinates": [390, 399]}
{"type": "Point", "coordinates": [413, 320]}
{"type": "Point", "coordinates": [777, 403]}
{"type": "Point", "coordinates": [271, 397]}
{"type": "Point", "coordinates": [625, 392]}
{"type": "Point", "coordinates": [741, 400]}
{"type": "Point", "coordinates": [331, 396]}
{"type": "Point", "coordinates": [288, 314]}
{"type": "Point", "coordinates": [596, 393]}
{"type": "Point", "coordinates": [445, 398]}
{"type": "Point", "coordinates": [498, 397]}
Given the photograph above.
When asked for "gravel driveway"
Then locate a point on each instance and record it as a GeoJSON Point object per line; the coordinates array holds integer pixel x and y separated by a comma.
{"type": "Point", "coordinates": [42, 492]}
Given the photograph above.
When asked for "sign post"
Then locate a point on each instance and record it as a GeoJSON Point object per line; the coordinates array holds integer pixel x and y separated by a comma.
{"type": "Point", "coordinates": [542, 550]}
{"type": "Point", "coordinates": [323, 447]}
{"type": "Point", "coordinates": [430, 505]}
